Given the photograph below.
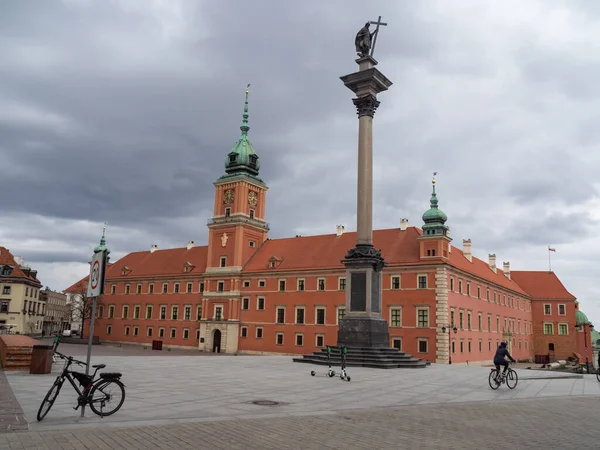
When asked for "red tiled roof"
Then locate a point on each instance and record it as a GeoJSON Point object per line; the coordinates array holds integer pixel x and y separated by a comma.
{"type": "Point", "coordinates": [540, 284]}
{"type": "Point", "coordinates": [327, 250]}
{"type": "Point", "coordinates": [7, 258]}
{"type": "Point", "coordinates": [482, 269]}
{"type": "Point", "coordinates": [153, 264]}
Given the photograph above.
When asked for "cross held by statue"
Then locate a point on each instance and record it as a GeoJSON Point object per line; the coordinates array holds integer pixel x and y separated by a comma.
{"type": "Point", "coordinates": [379, 22]}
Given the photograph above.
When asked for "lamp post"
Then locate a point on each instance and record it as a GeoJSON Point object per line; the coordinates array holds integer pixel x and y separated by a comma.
{"type": "Point", "coordinates": [579, 327]}
{"type": "Point", "coordinates": [450, 328]}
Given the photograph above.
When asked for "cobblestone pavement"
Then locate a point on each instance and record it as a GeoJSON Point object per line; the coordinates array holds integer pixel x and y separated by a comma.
{"type": "Point", "coordinates": [11, 414]}
{"type": "Point", "coordinates": [565, 423]}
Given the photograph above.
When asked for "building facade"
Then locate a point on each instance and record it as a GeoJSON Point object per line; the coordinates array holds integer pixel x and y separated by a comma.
{"type": "Point", "coordinates": [57, 315]}
{"type": "Point", "coordinates": [246, 293]}
{"type": "Point", "coordinates": [21, 308]}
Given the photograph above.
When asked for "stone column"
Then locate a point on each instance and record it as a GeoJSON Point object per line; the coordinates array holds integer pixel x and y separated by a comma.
{"type": "Point", "coordinates": [363, 325]}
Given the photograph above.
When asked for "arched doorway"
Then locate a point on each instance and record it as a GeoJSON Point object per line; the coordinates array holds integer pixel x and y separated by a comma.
{"type": "Point", "coordinates": [216, 341]}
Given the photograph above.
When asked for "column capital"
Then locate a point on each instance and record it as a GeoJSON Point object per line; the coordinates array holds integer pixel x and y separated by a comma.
{"type": "Point", "coordinates": [366, 105]}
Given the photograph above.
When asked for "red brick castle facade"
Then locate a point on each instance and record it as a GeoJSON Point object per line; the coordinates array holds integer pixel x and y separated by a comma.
{"type": "Point", "coordinates": [246, 293]}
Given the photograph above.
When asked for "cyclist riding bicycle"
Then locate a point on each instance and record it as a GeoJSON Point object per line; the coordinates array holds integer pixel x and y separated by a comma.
{"type": "Point", "coordinates": [500, 357]}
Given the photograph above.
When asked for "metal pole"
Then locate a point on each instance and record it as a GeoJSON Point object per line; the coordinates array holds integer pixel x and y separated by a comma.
{"type": "Point", "coordinates": [549, 261]}
{"type": "Point", "coordinates": [449, 346]}
{"type": "Point", "coordinates": [90, 338]}
{"type": "Point", "coordinates": [587, 364]}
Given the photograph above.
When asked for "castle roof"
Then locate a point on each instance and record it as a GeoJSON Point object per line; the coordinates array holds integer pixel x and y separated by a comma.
{"type": "Point", "coordinates": [541, 284]}
{"type": "Point", "coordinates": [320, 252]}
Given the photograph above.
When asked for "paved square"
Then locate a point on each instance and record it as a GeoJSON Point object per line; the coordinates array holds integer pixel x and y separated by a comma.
{"type": "Point", "coordinates": [175, 389]}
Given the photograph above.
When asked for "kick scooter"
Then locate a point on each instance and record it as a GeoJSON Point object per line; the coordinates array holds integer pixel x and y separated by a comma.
{"type": "Point", "coordinates": [343, 353]}
{"type": "Point", "coordinates": [330, 372]}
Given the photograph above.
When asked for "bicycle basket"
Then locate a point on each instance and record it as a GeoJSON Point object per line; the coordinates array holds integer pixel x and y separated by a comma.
{"type": "Point", "coordinates": [82, 378]}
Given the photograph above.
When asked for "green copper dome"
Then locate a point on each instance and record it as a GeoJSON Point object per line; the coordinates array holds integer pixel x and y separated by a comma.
{"type": "Point", "coordinates": [102, 246]}
{"type": "Point", "coordinates": [243, 158]}
{"type": "Point", "coordinates": [434, 217]}
{"type": "Point", "coordinates": [581, 318]}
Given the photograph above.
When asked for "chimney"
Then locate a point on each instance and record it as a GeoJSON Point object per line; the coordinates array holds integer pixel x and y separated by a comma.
{"type": "Point", "coordinates": [493, 262]}
{"type": "Point", "coordinates": [339, 230]}
{"type": "Point", "coordinates": [190, 244]}
{"type": "Point", "coordinates": [467, 249]}
{"type": "Point", "coordinates": [153, 248]}
{"type": "Point", "coordinates": [507, 269]}
{"type": "Point", "coordinates": [403, 224]}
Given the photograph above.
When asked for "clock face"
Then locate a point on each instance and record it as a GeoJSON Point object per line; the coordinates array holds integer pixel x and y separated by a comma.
{"type": "Point", "coordinates": [228, 197]}
{"type": "Point", "coordinates": [252, 198]}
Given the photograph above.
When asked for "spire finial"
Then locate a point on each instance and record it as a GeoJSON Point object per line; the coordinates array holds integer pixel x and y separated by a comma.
{"type": "Point", "coordinates": [245, 126]}
{"type": "Point", "coordinates": [433, 181]}
{"type": "Point", "coordinates": [102, 246]}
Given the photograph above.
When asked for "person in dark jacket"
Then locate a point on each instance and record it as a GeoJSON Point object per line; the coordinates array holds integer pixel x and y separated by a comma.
{"type": "Point", "coordinates": [500, 358]}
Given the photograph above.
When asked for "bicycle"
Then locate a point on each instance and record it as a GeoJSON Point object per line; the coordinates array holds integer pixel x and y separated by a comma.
{"type": "Point", "coordinates": [91, 385]}
{"type": "Point", "coordinates": [498, 377]}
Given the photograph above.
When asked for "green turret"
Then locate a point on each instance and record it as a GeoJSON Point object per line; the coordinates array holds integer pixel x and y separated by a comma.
{"type": "Point", "coordinates": [243, 159]}
{"type": "Point", "coordinates": [434, 217]}
{"type": "Point", "coordinates": [102, 246]}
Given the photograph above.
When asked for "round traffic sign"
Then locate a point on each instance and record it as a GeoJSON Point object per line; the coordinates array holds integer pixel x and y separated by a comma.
{"type": "Point", "coordinates": [95, 274]}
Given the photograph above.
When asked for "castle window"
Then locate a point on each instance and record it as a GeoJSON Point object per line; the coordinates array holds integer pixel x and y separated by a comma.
{"type": "Point", "coordinates": [252, 244]}
{"type": "Point", "coordinates": [253, 159]}
{"type": "Point", "coordinates": [232, 157]}
{"type": "Point", "coordinates": [223, 261]}
{"type": "Point", "coordinates": [227, 212]}
{"type": "Point", "coordinates": [252, 214]}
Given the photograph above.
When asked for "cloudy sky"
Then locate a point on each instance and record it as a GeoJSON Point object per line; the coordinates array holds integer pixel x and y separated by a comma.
{"type": "Point", "coordinates": [122, 111]}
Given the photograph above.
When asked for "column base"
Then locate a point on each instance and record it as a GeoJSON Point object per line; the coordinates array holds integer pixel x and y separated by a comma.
{"type": "Point", "coordinates": [363, 332]}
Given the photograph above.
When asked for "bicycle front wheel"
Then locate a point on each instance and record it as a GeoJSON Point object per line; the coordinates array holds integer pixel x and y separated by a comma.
{"type": "Point", "coordinates": [49, 400]}
{"type": "Point", "coordinates": [512, 379]}
{"type": "Point", "coordinates": [493, 379]}
{"type": "Point", "coordinates": [107, 397]}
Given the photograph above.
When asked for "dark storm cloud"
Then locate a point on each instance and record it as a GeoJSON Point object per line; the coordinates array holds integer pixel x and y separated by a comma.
{"type": "Point", "coordinates": [148, 140]}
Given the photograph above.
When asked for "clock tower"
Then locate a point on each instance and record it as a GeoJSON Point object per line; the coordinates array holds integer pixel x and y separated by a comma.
{"type": "Point", "coordinates": [238, 226]}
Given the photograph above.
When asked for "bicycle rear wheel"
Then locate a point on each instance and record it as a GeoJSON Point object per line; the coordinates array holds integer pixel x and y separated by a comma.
{"type": "Point", "coordinates": [493, 379]}
{"type": "Point", "coordinates": [512, 379]}
{"type": "Point", "coordinates": [598, 373]}
{"type": "Point", "coordinates": [107, 397]}
{"type": "Point", "coordinates": [49, 400]}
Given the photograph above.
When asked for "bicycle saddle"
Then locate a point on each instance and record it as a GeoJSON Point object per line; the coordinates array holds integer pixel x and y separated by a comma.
{"type": "Point", "coordinates": [99, 366]}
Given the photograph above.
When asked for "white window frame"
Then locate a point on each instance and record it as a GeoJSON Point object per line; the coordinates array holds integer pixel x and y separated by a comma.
{"type": "Point", "coordinates": [395, 277]}
{"type": "Point", "coordinates": [419, 340]}
{"type": "Point", "coordinates": [279, 285]}
{"type": "Point", "coordinates": [324, 315]}
{"type": "Point", "coordinates": [296, 315]}
{"type": "Point", "coordinates": [565, 309]}
{"type": "Point", "coordinates": [392, 309]}
{"type": "Point", "coordinates": [422, 308]}
{"type": "Point", "coordinates": [298, 280]}
{"type": "Point", "coordinates": [296, 339]}
{"type": "Point", "coordinates": [566, 325]}
{"type": "Point", "coordinates": [215, 307]}
{"type": "Point", "coordinates": [277, 308]}
{"type": "Point", "coordinates": [549, 305]}
{"type": "Point", "coordinates": [419, 275]}
{"type": "Point", "coordinates": [264, 302]}
{"type": "Point", "coordinates": [242, 329]}
{"type": "Point", "coordinates": [551, 326]}
{"type": "Point", "coordinates": [337, 313]}
{"type": "Point", "coordinates": [317, 336]}
{"type": "Point", "coordinates": [262, 333]}
{"type": "Point", "coordinates": [279, 333]}
{"type": "Point", "coordinates": [324, 284]}
{"type": "Point", "coordinates": [397, 339]}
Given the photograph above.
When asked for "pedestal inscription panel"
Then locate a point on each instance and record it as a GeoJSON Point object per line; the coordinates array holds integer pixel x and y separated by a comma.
{"type": "Point", "coordinates": [375, 299]}
{"type": "Point", "coordinates": [358, 292]}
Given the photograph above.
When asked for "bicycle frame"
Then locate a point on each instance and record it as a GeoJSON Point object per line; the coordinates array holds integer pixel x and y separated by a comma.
{"type": "Point", "coordinates": [83, 394]}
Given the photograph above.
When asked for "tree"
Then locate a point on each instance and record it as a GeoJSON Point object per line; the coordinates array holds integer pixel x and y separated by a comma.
{"type": "Point", "coordinates": [81, 304]}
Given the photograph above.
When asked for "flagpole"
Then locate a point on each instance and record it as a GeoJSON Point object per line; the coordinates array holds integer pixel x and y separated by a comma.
{"type": "Point", "coordinates": [549, 261]}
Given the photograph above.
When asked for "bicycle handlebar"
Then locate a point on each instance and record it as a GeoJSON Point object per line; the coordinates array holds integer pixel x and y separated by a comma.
{"type": "Point", "coordinates": [70, 359]}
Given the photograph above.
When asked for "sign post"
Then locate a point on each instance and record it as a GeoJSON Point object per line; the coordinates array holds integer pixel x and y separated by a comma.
{"type": "Point", "coordinates": [95, 289]}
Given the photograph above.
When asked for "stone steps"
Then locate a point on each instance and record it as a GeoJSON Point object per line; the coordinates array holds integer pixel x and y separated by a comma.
{"type": "Point", "coordinates": [380, 358]}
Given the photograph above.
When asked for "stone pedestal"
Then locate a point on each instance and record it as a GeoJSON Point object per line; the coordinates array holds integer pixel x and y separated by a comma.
{"type": "Point", "coordinates": [363, 325]}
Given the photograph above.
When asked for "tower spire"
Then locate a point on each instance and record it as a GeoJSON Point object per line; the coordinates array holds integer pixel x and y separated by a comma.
{"type": "Point", "coordinates": [245, 127]}
{"type": "Point", "coordinates": [102, 245]}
